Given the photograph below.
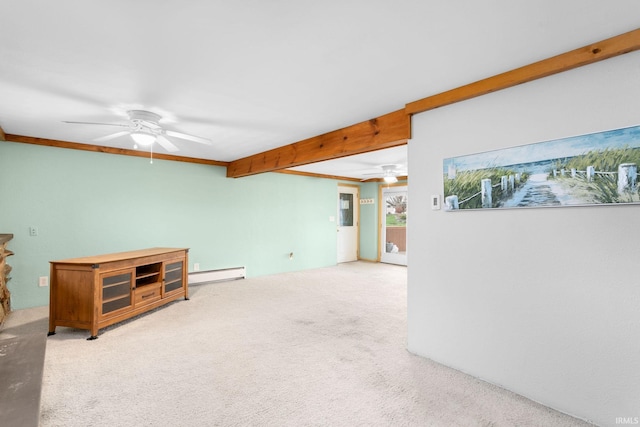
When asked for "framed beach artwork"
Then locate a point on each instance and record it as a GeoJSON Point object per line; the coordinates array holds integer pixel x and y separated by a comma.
{"type": "Point", "coordinates": [594, 169]}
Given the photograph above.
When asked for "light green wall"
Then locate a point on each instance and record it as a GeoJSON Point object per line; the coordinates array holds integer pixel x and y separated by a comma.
{"type": "Point", "coordinates": [369, 222]}
{"type": "Point", "coordinates": [86, 203]}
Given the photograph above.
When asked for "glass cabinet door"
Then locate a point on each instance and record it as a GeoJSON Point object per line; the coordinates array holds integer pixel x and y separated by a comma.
{"type": "Point", "coordinates": [116, 291]}
{"type": "Point", "coordinates": [173, 276]}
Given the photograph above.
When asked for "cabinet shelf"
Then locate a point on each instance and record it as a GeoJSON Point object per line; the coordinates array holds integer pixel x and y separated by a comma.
{"type": "Point", "coordinates": [146, 284]}
{"type": "Point", "coordinates": [148, 274]}
{"type": "Point", "coordinates": [142, 276]}
{"type": "Point", "coordinates": [108, 300]}
{"type": "Point", "coordinates": [111, 285]}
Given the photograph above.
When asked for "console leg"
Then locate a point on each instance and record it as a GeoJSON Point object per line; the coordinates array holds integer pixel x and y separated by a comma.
{"type": "Point", "coordinates": [92, 337]}
{"type": "Point", "coordinates": [51, 333]}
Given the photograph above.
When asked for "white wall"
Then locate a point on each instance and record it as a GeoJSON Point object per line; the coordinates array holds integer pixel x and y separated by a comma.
{"type": "Point", "coordinates": [544, 302]}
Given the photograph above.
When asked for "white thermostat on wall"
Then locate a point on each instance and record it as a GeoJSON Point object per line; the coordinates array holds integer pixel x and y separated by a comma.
{"type": "Point", "coordinates": [435, 202]}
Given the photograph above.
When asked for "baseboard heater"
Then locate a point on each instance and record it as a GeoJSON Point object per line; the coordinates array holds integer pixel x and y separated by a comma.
{"type": "Point", "coordinates": [224, 274]}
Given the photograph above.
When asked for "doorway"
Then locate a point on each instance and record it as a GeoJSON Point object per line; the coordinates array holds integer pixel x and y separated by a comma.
{"type": "Point", "coordinates": [393, 230]}
{"type": "Point", "coordinates": [348, 228]}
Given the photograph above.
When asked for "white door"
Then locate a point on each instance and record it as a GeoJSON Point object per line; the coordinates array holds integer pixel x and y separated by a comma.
{"type": "Point", "coordinates": [348, 199]}
{"type": "Point", "coordinates": [393, 216]}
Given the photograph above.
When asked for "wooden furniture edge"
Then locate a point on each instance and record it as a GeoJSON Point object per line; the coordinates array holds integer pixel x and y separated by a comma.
{"type": "Point", "coordinates": [120, 256]}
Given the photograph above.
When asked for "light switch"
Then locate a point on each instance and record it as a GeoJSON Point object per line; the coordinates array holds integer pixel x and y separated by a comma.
{"type": "Point", "coordinates": [435, 202]}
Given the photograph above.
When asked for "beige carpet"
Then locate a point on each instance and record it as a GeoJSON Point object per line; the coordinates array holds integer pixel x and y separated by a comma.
{"type": "Point", "coordinates": [319, 348]}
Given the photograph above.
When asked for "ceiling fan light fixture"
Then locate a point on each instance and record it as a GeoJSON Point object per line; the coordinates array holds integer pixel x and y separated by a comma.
{"type": "Point", "coordinates": [390, 179]}
{"type": "Point", "coordinates": [143, 138]}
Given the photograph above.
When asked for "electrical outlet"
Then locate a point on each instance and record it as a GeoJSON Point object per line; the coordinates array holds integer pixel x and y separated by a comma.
{"type": "Point", "coordinates": [196, 266]}
{"type": "Point", "coordinates": [43, 281]}
{"type": "Point", "coordinates": [33, 231]}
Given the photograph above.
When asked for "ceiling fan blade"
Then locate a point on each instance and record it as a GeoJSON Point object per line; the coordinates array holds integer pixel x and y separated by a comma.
{"type": "Point", "coordinates": [112, 136]}
{"type": "Point", "coordinates": [94, 123]}
{"type": "Point", "coordinates": [394, 172]}
{"type": "Point", "coordinates": [166, 144]}
{"type": "Point", "coordinates": [149, 124]}
{"type": "Point", "coordinates": [188, 137]}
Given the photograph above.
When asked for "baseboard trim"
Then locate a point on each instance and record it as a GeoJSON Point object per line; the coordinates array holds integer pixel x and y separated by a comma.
{"type": "Point", "coordinates": [221, 275]}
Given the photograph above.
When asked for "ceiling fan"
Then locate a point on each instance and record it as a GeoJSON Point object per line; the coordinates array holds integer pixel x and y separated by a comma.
{"type": "Point", "coordinates": [145, 129]}
{"type": "Point", "coordinates": [389, 174]}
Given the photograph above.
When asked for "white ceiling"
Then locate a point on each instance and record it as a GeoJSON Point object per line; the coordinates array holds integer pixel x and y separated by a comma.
{"type": "Point", "coordinates": [254, 75]}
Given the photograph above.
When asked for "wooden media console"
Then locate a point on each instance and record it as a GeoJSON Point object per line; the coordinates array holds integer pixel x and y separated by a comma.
{"type": "Point", "coordinates": [97, 291]}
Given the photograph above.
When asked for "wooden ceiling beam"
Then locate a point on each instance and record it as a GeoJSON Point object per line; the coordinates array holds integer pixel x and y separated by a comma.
{"type": "Point", "coordinates": [605, 49]}
{"type": "Point", "coordinates": [109, 150]}
{"type": "Point", "coordinates": [318, 175]}
{"type": "Point", "coordinates": [3, 136]}
{"type": "Point", "coordinates": [386, 131]}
